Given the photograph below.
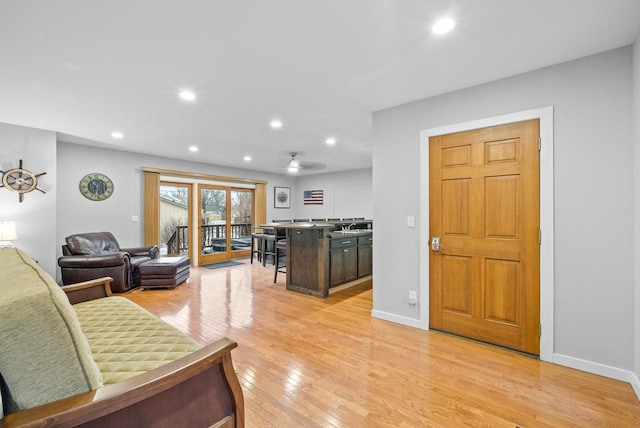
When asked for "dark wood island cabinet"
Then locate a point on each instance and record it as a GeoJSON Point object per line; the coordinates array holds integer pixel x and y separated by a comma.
{"type": "Point", "coordinates": [343, 259]}
{"type": "Point", "coordinates": [320, 258]}
{"type": "Point", "coordinates": [365, 255]}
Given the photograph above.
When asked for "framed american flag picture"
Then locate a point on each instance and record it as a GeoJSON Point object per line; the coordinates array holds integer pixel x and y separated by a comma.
{"type": "Point", "coordinates": [313, 197]}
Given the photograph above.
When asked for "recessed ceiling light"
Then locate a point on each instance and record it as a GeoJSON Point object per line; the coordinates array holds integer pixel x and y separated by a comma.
{"type": "Point", "coordinates": [331, 141]}
{"type": "Point", "coordinates": [193, 149]}
{"type": "Point", "coordinates": [117, 135]}
{"type": "Point", "coordinates": [276, 123]}
{"type": "Point", "coordinates": [187, 95]}
{"type": "Point", "coordinates": [442, 26]}
{"type": "Point", "coordinates": [247, 158]}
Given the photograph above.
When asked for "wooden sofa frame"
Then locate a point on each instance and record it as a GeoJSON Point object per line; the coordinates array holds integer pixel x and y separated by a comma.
{"type": "Point", "coordinates": [200, 389]}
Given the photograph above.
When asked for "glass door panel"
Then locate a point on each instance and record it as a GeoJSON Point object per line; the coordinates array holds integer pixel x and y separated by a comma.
{"type": "Point", "coordinates": [213, 224]}
{"type": "Point", "coordinates": [241, 220]}
{"type": "Point", "coordinates": [175, 235]}
{"type": "Point", "coordinates": [226, 221]}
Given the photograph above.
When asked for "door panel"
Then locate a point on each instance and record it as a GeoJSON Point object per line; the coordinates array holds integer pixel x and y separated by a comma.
{"type": "Point", "coordinates": [501, 207]}
{"type": "Point", "coordinates": [226, 216]}
{"type": "Point", "coordinates": [213, 224]}
{"type": "Point", "coordinates": [175, 219]}
{"type": "Point", "coordinates": [456, 290]}
{"type": "Point", "coordinates": [501, 294]}
{"type": "Point", "coordinates": [241, 221]}
{"type": "Point", "coordinates": [484, 206]}
{"type": "Point", "coordinates": [456, 202]}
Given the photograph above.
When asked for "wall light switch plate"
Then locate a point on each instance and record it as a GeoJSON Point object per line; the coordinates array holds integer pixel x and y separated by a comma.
{"type": "Point", "coordinates": [135, 219]}
{"type": "Point", "coordinates": [413, 297]}
{"type": "Point", "coordinates": [411, 221]}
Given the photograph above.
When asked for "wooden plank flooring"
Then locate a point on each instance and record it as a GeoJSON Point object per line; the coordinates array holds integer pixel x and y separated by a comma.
{"type": "Point", "coordinates": [307, 362]}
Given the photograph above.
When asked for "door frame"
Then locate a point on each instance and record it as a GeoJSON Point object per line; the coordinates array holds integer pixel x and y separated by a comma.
{"type": "Point", "coordinates": [547, 282]}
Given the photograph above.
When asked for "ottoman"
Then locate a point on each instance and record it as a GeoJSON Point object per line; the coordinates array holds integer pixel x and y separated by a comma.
{"type": "Point", "coordinates": [165, 272]}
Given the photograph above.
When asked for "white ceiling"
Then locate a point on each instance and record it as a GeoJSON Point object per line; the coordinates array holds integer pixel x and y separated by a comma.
{"type": "Point", "coordinates": [87, 68]}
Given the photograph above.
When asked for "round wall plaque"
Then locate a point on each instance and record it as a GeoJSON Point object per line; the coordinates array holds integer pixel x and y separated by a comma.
{"type": "Point", "coordinates": [96, 186]}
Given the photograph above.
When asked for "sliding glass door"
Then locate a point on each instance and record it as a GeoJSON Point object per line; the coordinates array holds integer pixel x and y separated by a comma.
{"type": "Point", "coordinates": [208, 217]}
{"type": "Point", "coordinates": [226, 219]}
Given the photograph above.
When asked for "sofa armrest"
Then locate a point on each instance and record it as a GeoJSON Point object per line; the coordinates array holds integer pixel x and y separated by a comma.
{"type": "Point", "coordinates": [88, 290]}
{"type": "Point", "coordinates": [200, 389]}
{"type": "Point", "coordinates": [153, 251]}
{"type": "Point", "coordinates": [98, 261]}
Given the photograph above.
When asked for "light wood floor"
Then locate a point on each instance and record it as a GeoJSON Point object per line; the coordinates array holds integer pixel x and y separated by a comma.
{"type": "Point", "coordinates": [307, 362]}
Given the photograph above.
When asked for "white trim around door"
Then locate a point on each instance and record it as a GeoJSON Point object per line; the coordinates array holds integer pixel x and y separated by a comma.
{"type": "Point", "coordinates": [547, 286]}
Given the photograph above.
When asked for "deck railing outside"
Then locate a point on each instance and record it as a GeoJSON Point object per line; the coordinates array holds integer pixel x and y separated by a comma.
{"type": "Point", "coordinates": [214, 238]}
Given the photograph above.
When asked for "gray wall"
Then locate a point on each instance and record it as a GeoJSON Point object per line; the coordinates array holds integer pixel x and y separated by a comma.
{"type": "Point", "coordinates": [636, 159]}
{"type": "Point", "coordinates": [346, 194]}
{"type": "Point", "coordinates": [35, 217]}
{"type": "Point", "coordinates": [78, 214]}
{"type": "Point", "coordinates": [594, 310]}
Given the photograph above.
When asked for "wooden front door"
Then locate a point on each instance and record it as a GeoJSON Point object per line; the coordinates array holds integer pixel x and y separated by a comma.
{"type": "Point", "coordinates": [484, 198]}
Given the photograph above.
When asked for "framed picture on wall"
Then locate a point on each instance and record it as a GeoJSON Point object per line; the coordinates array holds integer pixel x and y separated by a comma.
{"type": "Point", "coordinates": [282, 197]}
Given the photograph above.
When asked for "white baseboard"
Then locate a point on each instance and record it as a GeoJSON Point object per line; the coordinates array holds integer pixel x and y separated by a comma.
{"type": "Point", "coordinates": [599, 369]}
{"type": "Point", "coordinates": [411, 322]}
{"type": "Point", "coordinates": [635, 383]}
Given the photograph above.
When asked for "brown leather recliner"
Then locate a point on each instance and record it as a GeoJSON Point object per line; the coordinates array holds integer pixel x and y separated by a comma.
{"type": "Point", "coordinates": [94, 255]}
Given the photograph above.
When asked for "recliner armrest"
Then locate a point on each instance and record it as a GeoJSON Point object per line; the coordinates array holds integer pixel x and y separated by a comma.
{"type": "Point", "coordinates": [153, 251]}
{"type": "Point", "coordinates": [104, 260]}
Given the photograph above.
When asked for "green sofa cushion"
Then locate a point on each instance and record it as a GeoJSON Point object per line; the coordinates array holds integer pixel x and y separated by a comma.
{"type": "Point", "coordinates": [44, 356]}
{"type": "Point", "coordinates": [126, 340]}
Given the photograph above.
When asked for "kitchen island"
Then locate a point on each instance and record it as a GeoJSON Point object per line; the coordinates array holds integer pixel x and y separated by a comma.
{"type": "Point", "coordinates": [322, 260]}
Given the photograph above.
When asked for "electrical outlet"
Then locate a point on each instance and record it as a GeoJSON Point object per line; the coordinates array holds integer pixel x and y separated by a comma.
{"type": "Point", "coordinates": [413, 297]}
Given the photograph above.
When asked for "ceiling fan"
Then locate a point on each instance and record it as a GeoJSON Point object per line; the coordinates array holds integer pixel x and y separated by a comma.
{"type": "Point", "coordinates": [294, 165]}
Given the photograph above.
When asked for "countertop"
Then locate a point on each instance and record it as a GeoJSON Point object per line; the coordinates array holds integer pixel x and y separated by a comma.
{"type": "Point", "coordinates": [353, 232]}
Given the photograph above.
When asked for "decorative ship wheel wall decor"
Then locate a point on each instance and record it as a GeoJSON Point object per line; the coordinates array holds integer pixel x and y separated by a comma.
{"type": "Point", "coordinates": [21, 181]}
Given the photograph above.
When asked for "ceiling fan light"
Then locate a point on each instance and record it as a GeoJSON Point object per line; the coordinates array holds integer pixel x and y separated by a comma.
{"type": "Point", "coordinates": [187, 95]}
{"type": "Point", "coordinates": [443, 26]}
{"type": "Point", "coordinates": [292, 169]}
{"type": "Point", "coordinates": [293, 163]}
{"type": "Point", "coordinates": [276, 124]}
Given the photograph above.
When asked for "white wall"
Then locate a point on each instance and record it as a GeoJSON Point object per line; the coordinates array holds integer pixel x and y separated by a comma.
{"type": "Point", "coordinates": [594, 312]}
{"type": "Point", "coordinates": [35, 217]}
{"type": "Point", "coordinates": [346, 194]}
{"type": "Point", "coordinates": [636, 182]}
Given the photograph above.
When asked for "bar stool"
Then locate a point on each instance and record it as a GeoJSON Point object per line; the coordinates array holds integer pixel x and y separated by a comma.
{"type": "Point", "coordinates": [281, 251]}
{"type": "Point", "coordinates": [268, 247]}
{"type": "Point", "coordinates": [257, 244]}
